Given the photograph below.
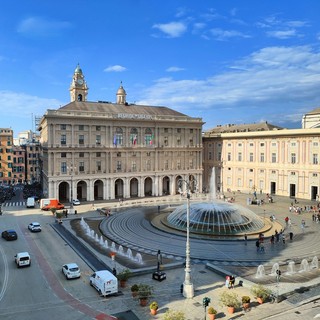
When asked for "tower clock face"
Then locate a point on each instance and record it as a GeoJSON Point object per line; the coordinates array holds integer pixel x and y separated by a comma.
{"type": "Point", "coordinates": [80, 81]}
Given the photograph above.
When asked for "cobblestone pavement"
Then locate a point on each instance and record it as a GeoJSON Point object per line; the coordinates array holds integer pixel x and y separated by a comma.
{"type": "Point", "coordinates": [211, 283]}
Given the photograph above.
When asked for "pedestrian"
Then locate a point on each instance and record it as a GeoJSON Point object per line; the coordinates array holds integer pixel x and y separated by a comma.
{"type": "Point", "coordinates": [227, 282]}
{"type": "Point", "coordinates": [257, 245]}
{"type": "Point", "coordinates": [232, 281]}
{"type": "Point", "coordinates": [245, 239]}
{"type": "Point", "coordinates": [291, 235]}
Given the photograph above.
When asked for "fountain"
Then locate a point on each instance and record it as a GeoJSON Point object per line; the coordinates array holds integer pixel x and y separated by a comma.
{"type": "Point", "coordinates": [138, 258]}
{"type": "Point", "coordinates": [213, 185]}
{"type": "Point", "coordinates": [274, 269]}
{"type": "Point", "coordinates": [290, 268]}
{"type": "Point", "coordinates": [215, 217]}
{"type": "Point", "coordinates": [314, 263]}
{"type": "Point", "coordinates": [260, 271]}
{"type": "Point", "coordinates": [129, 253]}
{"type": "Point", "coordinates": [120, 250]}
{"type": "Point", "coordinates": [96, 238]}
{"type": "Point", "coordinates": [106, 244]}
{"type": "Point", "coordinates": [101, 241]}
{"type": "Point", "coordinates": [304, 266]}
{"type": "Point", "coordinates": [113, 247]}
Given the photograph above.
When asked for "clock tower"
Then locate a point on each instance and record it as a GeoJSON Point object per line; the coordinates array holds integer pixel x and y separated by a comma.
{"type": "Point", "coordinates": [78, 88]}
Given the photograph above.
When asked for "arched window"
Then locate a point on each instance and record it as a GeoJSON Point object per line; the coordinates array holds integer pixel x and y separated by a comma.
{"type": "Point", "coordinates": [79, 97]}
{"type": "Point", "coordinates": [118, 137]}
{"type": "Point", "coordinates": [148, 137]}
{"type": "Point", "coordinates": [134, 136]}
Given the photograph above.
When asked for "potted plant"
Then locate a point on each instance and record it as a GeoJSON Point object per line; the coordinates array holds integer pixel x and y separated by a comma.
{"type": "Point", "coordinates": [153, 307]}
{"type": "Point", "coordinates": [144, 293]}
{"type": "Point", "coordinates": [134, 290]}
{"type": "Point", "coordinates": [230, 300]}
{"type": "Point", "coordinates": [245, 302]}
{"type": "Point", "coordinates": [212, 312]}
{"type": "Point", "coordinates": [123, 276]}
{"type": "Point", "coordinates": [260, 292]}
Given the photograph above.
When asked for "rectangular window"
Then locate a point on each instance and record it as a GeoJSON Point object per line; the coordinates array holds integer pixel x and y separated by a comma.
{"type": "Point", "coordinates": [133, 166]}
{"type": "Point", "coordinates": [98, 154]}
{"type": "Point", "coordinates": [63, 126]}
{"type": "Point", "coordinates": [251, 157]}
{"type": "Point", "coordinates": [98, 128]}
{"type": "Point", "coordinates": [81, 154]}
{"type": "Point", "coordinates": [63, 167]}
{"type": "Point", "coordinates": [191, 130]}
{"type": "Point", "coordinates": [179, 164]}
{"type": "Point", "coordinates": [239, 156]}
{"type": "Point", "coordinates": [273, 157]}
{"type": "Point", "coordinates": [166, 165]}
{"type": "Point", "coordinates": [261, 157]}
{"type": "Point", "coordinates": [179, 130]}
{"type": "Point", "coordinates": [261, 144]}
{"type": "Point", "coordinates": [315, 158]}
{"type": "Point", "coordinates": [98, 165]}
{"type": "Point", "coordinates": [63, 139]}
{"type": "Point", "coordinates": [165, 129]}
{"type": "Point", "coordinates": [118, 165]}
{"type": "Point", "coordinates": [229, 156]}
{"type": "Point", "coordinates": [293, 158]}
{"type": "Point", "coordinates": [98, 140]}
{"type": "Point", "coordinates": [81, 166]}
{"type": "Point", "coordinates": [165, 141]}
{"type": "Point", "coordinates": [81, 139]}
{"type": "Point", "coordinates": [210, 156]}
{"type": "Point", "coordinates": [81, 127]}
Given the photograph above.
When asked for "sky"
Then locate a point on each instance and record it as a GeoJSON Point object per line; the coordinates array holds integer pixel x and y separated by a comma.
{"type": "Point", "coordinates": [227, 62]}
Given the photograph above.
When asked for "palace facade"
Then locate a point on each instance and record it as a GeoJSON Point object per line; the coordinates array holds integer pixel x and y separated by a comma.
{"type": "Point", "coordinates": [103, 150]}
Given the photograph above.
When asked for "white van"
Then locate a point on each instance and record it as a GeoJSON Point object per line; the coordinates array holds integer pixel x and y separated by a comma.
{"type": "Point", "coordinates": [30, 202]}
{"type": "Point", "coordinates": [23, 259]}
{"type": "Point", "coordinates": [105, 282]}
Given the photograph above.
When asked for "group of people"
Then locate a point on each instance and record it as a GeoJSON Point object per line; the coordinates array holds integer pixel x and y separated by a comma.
{"type": "Point", "coordinates": [230, 280]}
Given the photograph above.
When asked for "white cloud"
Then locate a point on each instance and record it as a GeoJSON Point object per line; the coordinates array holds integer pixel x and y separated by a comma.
{"type": "Point", "coordinates": [174, 69]}
{"type": "Point", "coordinates": [115, 68]}
{"type": "Point", "coordinates": [220, 34]}
{"type": "Point", "coordinates": [285, 79]}
{"type": "Point", "coordinates": [172, 29]}
{"type": "Point", "coordinates": [282, 34]}
{"type": "Point", "coordinates": [36, 26]}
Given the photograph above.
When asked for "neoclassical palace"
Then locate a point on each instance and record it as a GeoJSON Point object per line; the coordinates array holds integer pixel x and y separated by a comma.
{"type": "Point", "coordinates": [103, 150]}
{"type": "Point", "coordinates": [265, 158]}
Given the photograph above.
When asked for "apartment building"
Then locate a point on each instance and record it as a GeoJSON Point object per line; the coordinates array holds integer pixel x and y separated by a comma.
{"type": "Point", "coordinates": [105, 150]}
{"type": "Point", "coordinates": [6, 156]}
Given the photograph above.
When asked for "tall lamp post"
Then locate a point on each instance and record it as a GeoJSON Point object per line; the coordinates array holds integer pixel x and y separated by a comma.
{"type": "Point", "coordinates": [188, 290]}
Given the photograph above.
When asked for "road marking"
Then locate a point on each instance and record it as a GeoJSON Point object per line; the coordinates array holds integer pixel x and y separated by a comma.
{"type": "Point", "coordinates": [6, 273]}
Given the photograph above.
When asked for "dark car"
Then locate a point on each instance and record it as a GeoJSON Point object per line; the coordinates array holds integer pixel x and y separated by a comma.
{"type": "Point", "coordinates": [9, 235]}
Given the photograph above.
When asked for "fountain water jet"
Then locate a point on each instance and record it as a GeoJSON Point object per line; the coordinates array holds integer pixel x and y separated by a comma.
{"type": "Point", "coordinates": [129, 253]}
{"type": "Point", "coordinates": [120, 250]}
{"type": "Point", "coordinates": [106, 244]}
{"type": "Point", "coordinates": [113, 247]}
{"type": "Point", "coordinates": [304, 266]}
{"type": "Point", "coordinates": [260, 271]}
{"type": "Point", "coordinates": [314, 263]}
{"type": "Point", "coordinates": [274, 269]}
{"type": "Point", "coordinates": [291, 268]}
{"type": "Point", "coordinates": [138, 258]}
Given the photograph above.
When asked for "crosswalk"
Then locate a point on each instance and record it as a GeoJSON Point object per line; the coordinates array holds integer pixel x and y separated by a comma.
{"type": "Point", "coordinates": [15, 204]}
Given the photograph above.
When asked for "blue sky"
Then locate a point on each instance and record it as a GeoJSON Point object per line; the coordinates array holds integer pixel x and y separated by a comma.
{"type": "Point", "coordinates": [224, 61]}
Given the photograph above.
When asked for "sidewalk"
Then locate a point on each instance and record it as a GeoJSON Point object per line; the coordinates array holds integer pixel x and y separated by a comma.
{"type": "Point", "coordinates": [206, 282]}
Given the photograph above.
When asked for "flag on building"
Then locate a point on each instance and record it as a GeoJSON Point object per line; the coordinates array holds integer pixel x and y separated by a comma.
{"type": "Point", "coordinates": [115, 140]}
{"type": "Point", "coordinates": [135, 139]}
{"type": "Point", "coordinates": [151, 141]}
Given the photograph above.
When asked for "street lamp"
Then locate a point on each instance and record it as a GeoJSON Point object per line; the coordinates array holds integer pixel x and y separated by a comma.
{"type": "Point", "coordinates": [188, 290]}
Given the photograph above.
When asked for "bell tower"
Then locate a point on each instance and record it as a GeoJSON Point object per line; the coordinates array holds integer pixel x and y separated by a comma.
{"type": "Point", "coordinates": [121, 95]}
{"type": "Point", "coordinates": [78, 88]}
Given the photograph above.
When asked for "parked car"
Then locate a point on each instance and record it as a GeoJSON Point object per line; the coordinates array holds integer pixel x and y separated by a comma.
{"type": "Point", "coordinates": [9, 235]}
{"type": "Point", "coordinates": [71, 270]}
{"type": "Point", "coordinates": [34, 227]}
{"type": "Point", "coordinates": [75, 202]}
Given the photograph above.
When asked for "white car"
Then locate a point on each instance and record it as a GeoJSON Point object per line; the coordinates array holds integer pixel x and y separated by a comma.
{"type": "Point", "coordinates": [34, 227]}
{"type": "Point", "coordinates": [75, 202]}
{"type": "Point", "coordinates": [71, 271]}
